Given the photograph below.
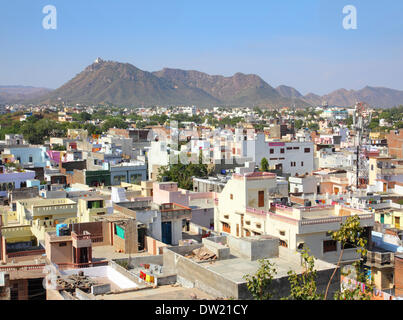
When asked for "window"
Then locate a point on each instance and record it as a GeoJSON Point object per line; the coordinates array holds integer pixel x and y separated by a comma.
{"type": "Point", "coordinates": [282, 233]}
{"type": "Point", "coordinates": [62, 244]}
{"type": "Point", "coordinates": [302, 163]}
{"type": "Point", "coordinates": [231, 196]}
{"type": "Point", "coordinates": [30, 158]}
{"type": "Point", "coordinates": [283, 243]}
{"type": "Point", "coordinates": [135, 178]}
{"type": "Point", "coordinates": [258, 225]}
{"type": "Point", "coordinates": [119, 179]}
{"type": "Point", "coordinates": [237, 230]}
{"type": "Point", "coordinates": [289, 148]}
{"type": "Point", "coordinates": [261, 198]}
{"type": "Point", "coordinates": [226, 227]}
{"type": "Point", "coordinates": [293, 164]}
{"type": "Point", "coordinates": [119, 231]}
{"type": "Point", "coordinates": [271, 151]}
{"type": "Point", "coordinates": [296, 148]}
{"type": "Point", "coordinates": [307, 150]}
{"type": "Point", "coordinates": [329, 245]}
{"type": "Point", "coordinates": [282, 150]}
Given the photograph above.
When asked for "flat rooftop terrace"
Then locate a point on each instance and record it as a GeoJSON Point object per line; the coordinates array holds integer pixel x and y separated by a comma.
{"type": "Point", "coordinates": [235, 268]}
{"type": "Point", "coordinates": [100, 253]}
{"type": "Point", "coordinates": [168, 292]}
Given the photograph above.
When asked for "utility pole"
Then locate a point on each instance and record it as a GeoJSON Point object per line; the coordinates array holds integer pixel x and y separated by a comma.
{"type": "Point", "coordinates": [358, 166]}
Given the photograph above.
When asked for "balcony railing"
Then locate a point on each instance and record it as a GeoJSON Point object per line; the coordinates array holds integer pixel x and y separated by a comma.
{"type": "Point", "coordinates": [306, 221]}
{"type": "Point", "coordinates": [23, 267]}
{"type": "Point", "coordinates": [85, 236]}
{"type": "Point", "coordinates": [381, 258]}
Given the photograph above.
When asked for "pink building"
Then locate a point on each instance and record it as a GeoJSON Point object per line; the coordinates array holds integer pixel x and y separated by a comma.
{"type": "Point", "coordinates": [168, 192]}
{"type": "Point", "coordinates": [201, 203]}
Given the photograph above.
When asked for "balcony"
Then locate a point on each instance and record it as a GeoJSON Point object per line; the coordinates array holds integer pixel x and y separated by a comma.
{"type": "Point", "coordinates": [390, 171]}
{"type": "Point", "coordinates": [54, 209]}
{"type": "Point", "coordinates": [380, 259]}
{"type": "Point", "coordinates": [314, 224]}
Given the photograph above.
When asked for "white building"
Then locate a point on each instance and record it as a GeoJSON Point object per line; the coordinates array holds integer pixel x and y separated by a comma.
{"type": "Point", "coordinates": [244, 208]}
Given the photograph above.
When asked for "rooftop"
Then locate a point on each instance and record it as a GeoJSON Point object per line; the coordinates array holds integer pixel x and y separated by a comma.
{"type": "Point", "coordinates": [235, 268]}
{"type": "Point", "coordinates": [168, 292]}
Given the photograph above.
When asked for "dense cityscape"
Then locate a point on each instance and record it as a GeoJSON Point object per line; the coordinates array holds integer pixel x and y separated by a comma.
{"type": "Point", "coordinates": [182, 202]}
{"type": "Point", "coordinates": [188, 159]}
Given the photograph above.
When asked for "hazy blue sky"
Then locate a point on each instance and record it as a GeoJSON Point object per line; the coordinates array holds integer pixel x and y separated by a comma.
{"type": "Point", "coordinates": [301, 43]}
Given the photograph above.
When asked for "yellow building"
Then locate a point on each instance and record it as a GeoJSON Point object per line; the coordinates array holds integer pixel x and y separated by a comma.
{"type": "Point", "coordinates": [394, 218]}
{"type": "Point", "coordinates": [145, 189]}
{"type": "Point", "coordinates": [44, 214]}
{"type": "Point", "coordinates": [90, 208]}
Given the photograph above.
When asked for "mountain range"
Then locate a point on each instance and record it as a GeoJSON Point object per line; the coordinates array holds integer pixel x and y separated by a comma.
{"type": "Point", "coordinates": [18, 94]}
{"type": "Point", "coordinates": [124, 84]}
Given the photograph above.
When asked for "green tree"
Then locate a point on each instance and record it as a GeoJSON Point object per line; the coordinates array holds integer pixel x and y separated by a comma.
{"type": "Point", "coordinates": [303, 286]}
{"type": "Point", "coordinates": [298, 124]}
{"type": "Point", "coordinates": [258, 284]}
{"type": "Point", "coordinates": [59, 147]}
{"type": "Point", "coordinates": [313, 126]}
{"type": "Point", "coordinates": [264, 165]}
{"type": "Point", "coordinates": [350, 233]}
{"type": "Point", "coordinates": [113, 123]}
{"type": "Point", "coordinates": [183, 173]}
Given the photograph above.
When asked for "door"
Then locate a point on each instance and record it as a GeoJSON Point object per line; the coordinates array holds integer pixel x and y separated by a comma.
{"type": "Point", "coordinates": [166, 232]}
{"type": "Point", "coordinates": [385, 187]}
{"type": "Point", "coordinates": [141, 235]}
{"type": "Point", "coordinates": [382, 218]}
{"type": "Point", "coordinates": [83, 255]}
{"type": "Point", "coordinates": [397, 222]}
{"type": "Point", "coordinates": [261, 199]}
{"type": "Point", "coordinates": [336, 190]}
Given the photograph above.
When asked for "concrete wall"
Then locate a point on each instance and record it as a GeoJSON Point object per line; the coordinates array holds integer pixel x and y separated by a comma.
{"type": "Point", "coordinates": [137, 261]}
{"type": "Point", "coordinates": [203, 216]}
{"type": "Point", "coordinates": [253, 250]}
{"type": "Point", "coordinates": [154, 246]}
{"type": "Point", "coordinates": [221, 251]}
{"type": "Point", "coordinates": [56, 253]}
{"type": "Point", "coordinates": [191, 274]}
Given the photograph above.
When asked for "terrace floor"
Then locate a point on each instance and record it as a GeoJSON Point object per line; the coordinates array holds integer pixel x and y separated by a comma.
{"type": "Point", "coordinates": [235, 268]}
{"type": "Point", "coordinates": [167, 292]}
{"type": "Point", "coordinates": [108, 253]}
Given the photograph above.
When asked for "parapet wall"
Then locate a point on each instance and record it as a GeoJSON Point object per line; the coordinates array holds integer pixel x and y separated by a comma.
{"type": "Point", "coordinates": [217, 247]}
{"type": "Point", "coordinates": [253, 249]}
{"type": "Point", "coordinates": [192, 274]}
